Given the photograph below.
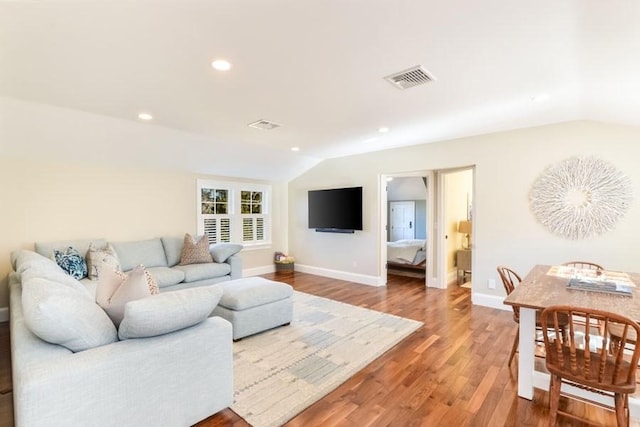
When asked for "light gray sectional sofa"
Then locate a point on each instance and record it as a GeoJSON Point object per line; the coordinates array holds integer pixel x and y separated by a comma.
{"type": "Point", "coordinates": [167, 373]}
{"type": "Point", "coordinates": [161, 257]}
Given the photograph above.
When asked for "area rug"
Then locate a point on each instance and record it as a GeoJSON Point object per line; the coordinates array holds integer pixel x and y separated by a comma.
{"type": "Point", "coordinates": [281, 372]}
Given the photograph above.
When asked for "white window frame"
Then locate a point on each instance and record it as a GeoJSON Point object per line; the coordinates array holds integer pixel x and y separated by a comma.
{"type": "Point", "coordinates": [234, 213]}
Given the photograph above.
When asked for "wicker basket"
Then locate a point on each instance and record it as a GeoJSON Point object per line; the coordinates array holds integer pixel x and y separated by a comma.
{"type": "Point", "coordinates": [281, 266]}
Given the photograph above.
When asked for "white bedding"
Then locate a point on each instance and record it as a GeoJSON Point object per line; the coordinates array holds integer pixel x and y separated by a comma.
{"type": "Point", "coordinates": [408, 251]}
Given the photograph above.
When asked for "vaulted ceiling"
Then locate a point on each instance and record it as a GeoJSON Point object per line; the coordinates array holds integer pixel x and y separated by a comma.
{"type": "Point", "coordinates": [317, 68]}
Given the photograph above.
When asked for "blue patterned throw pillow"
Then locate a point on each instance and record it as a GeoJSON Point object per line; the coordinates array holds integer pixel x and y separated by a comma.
{"type": "Point", "coordinates": [72, 262]}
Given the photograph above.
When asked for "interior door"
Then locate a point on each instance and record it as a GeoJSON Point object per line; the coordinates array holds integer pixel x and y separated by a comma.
{"type": "Point", "coordinates": [403, 220]}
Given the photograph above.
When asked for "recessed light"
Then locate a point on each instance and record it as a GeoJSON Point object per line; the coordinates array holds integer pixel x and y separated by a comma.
{"type": "Point", "coordinates": [221, 65]}
{"type": "Point", "coordinates": [371, 139]}
{"type": "Point", "coordinates": [383, 129]}
{"type": "Point", "coordinates": [145, 116]}
{"type": "Point", "coordinates": [295, 148]}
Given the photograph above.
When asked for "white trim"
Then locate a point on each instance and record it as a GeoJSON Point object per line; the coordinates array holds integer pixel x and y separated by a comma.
{"type": "Point", "coordinates": [342, 275]}
{"type": "Point", "coordinates": [491, 301]}
{"type": "Point", "coordinates": [256, 271]}
{"type": "Point", "coordinates": [4, 314]}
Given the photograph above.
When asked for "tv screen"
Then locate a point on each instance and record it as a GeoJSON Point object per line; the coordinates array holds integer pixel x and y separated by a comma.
{"type": "Point", "coordinates": [338, 209]}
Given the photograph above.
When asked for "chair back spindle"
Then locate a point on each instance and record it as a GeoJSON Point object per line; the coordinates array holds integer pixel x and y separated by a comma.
{"type": "Point", "coordinates": [586, 358]}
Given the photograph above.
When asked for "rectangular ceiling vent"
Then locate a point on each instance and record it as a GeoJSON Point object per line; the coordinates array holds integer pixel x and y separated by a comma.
{"type": "Point", "coordinates": [414, 76]}
{"type": "Point", "coordinates": [264, 125]}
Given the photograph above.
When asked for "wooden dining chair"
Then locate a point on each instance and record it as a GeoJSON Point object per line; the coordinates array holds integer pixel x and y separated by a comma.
{"type": "Point", "coordinates": [587, 361]}
{"type": "Point", "coordinates": [584, 265]}
{"type": "Point", "coordinates": [510, 279]}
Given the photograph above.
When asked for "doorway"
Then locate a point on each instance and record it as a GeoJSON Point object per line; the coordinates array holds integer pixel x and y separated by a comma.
{"type": "Point", "coordinates": [455, 231]}
{"type": "Point", "coordinates": [407, 212]}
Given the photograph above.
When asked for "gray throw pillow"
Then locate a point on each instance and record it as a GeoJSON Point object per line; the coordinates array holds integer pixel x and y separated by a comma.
{"type": "Point", "coordinates": [221, 251]}
{"type": "Point", "coordinates": [168, 312]}
{"type": "Point", "coordinates": [61, 315]}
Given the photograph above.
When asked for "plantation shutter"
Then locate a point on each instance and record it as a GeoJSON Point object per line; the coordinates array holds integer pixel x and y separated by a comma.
{"type": "Point", "coordinates": [234, 212]}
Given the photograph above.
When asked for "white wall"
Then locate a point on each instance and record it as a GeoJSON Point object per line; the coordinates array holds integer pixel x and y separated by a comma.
{"type": "Point", "coordinates": [505, 231]}
{"type": "Point", "coordinates": [49, 201]}
{"type": "Point", "coordinates": [66, 174]}
{"type": "Point", "coordinates": [406, 188]}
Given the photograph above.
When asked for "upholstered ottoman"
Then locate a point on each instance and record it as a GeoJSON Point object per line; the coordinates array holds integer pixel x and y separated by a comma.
{"type": "Point", "coordinates": [254, 304]}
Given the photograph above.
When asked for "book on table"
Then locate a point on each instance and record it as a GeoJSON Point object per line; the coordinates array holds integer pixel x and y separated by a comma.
{"type": "Point", "coordinates": [584, 284]}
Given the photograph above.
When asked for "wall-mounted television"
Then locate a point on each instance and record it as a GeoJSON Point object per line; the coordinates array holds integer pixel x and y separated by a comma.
{"type": "Point", "coordinates": [337, 210]}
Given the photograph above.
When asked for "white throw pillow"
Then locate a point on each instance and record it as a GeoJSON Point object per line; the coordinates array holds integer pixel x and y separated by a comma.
{"type": "Point", "coordinates": [168, 312]}
{"type": "Point", "coordinates": [116, 289]}
{"type": "Point", "coordinates": [96, 256]}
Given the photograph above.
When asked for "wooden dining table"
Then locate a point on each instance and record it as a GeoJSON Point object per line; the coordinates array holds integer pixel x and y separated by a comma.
{"type": "Point", "coordinates": [545, 286]}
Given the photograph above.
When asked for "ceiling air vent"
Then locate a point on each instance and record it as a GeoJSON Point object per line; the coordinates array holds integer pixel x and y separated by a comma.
{"type": "Point", "coordinates": [264, 125]}
{"type": "Point", "coordinates": [414, 76]}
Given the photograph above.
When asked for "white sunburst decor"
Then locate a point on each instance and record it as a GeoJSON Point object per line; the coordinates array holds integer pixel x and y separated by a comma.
{"type": "Point", "coordinates": [580, 197]}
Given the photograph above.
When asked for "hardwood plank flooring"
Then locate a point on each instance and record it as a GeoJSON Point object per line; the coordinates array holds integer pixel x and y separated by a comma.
{"type": "Point", "coordinates": [451, 371]}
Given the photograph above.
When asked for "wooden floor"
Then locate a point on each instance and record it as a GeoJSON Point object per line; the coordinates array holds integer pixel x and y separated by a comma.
{"type": "Point", "coordinates": [452, 371]}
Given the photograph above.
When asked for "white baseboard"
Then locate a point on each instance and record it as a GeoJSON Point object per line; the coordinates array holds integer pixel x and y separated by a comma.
{"type": "Point", "coordinates": [4, 314]}
{"type": "Point", "coordinates": [491, 301]}
{"type": "Point", "coordinates": [342, 275]}
{"type": "Point", "coordinates": [256, 271]}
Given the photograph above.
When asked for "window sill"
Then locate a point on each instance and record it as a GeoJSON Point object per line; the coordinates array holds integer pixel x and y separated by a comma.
{"type": "Point", "coordinates": [256, 246]}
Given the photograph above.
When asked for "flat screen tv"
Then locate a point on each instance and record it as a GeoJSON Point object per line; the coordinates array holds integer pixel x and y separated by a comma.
{"type": "Point", "coordinates": [338, 210]}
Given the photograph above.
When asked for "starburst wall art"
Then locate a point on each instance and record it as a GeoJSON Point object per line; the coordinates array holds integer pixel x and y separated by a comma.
{"type": "Point", "coordinates": [580, 197]}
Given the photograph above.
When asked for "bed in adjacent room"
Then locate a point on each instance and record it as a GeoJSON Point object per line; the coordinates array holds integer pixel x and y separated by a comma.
{"type": "Point", "coordinates": [406, 255]}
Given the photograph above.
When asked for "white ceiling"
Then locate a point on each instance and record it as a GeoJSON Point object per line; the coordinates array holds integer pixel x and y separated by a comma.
{"type": "Point", "coordinates": [316, 67]}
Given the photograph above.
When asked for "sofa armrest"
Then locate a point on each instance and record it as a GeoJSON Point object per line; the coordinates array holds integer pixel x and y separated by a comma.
{"type": "Point", "coordinates": [174, 379]}
{"type": "Point", "coordinates": [235, 261]}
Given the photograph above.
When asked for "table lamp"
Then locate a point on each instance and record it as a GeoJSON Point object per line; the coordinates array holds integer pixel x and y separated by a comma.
{"type": "Point", "coordinates": [465, 227]}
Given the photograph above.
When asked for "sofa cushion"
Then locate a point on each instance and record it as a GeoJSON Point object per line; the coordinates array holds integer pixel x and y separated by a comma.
{"type": "Point", "coordinates": [149, 253]}
{"type": "Point", "coordinates": [22, 259]}
{"type": "Point", "coordinates": [72, 262]}
{"type": "Point", "coordinates": [195, 272]}
{"type": "Point", "coordinates": [195, 251]}
{"type": "Point", "coordinates": [172, 249]}
{"type": "Point", "coordinates": [249, 292]}
{"type": "Point", "coordinates": [97, 255]}
{"type": "Point", "coordinates": [221, 251]}
{"type": "Point", "coordinates": [165, 276]}
{"type": "Point", "coordinates": [54, 273]}
{"type": "Point", "coordinates": [46, 248]}
{"type": "Point", "coordinates": [168, 312]}
{"type": "Point", "coordinates": [61, 315]}
{"type": "Point", "coordinates": [116, 289]}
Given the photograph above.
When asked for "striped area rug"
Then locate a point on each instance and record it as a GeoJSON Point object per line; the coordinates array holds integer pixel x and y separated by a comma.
{"type": "Point", "coordinates": [281, 372]}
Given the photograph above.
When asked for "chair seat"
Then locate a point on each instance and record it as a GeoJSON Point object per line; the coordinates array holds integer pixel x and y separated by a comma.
{"type": "Point", "coordinates": [594, 379]}
{"type": "Point", "coordinates": [563, 320]}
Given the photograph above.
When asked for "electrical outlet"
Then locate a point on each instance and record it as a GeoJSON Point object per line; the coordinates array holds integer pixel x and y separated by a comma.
{"type": "Point", "coordinates": [491, 283]}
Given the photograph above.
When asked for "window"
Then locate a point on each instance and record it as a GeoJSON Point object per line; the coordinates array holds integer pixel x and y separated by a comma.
{"type": "Point", "coordinates": [236, 212]}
